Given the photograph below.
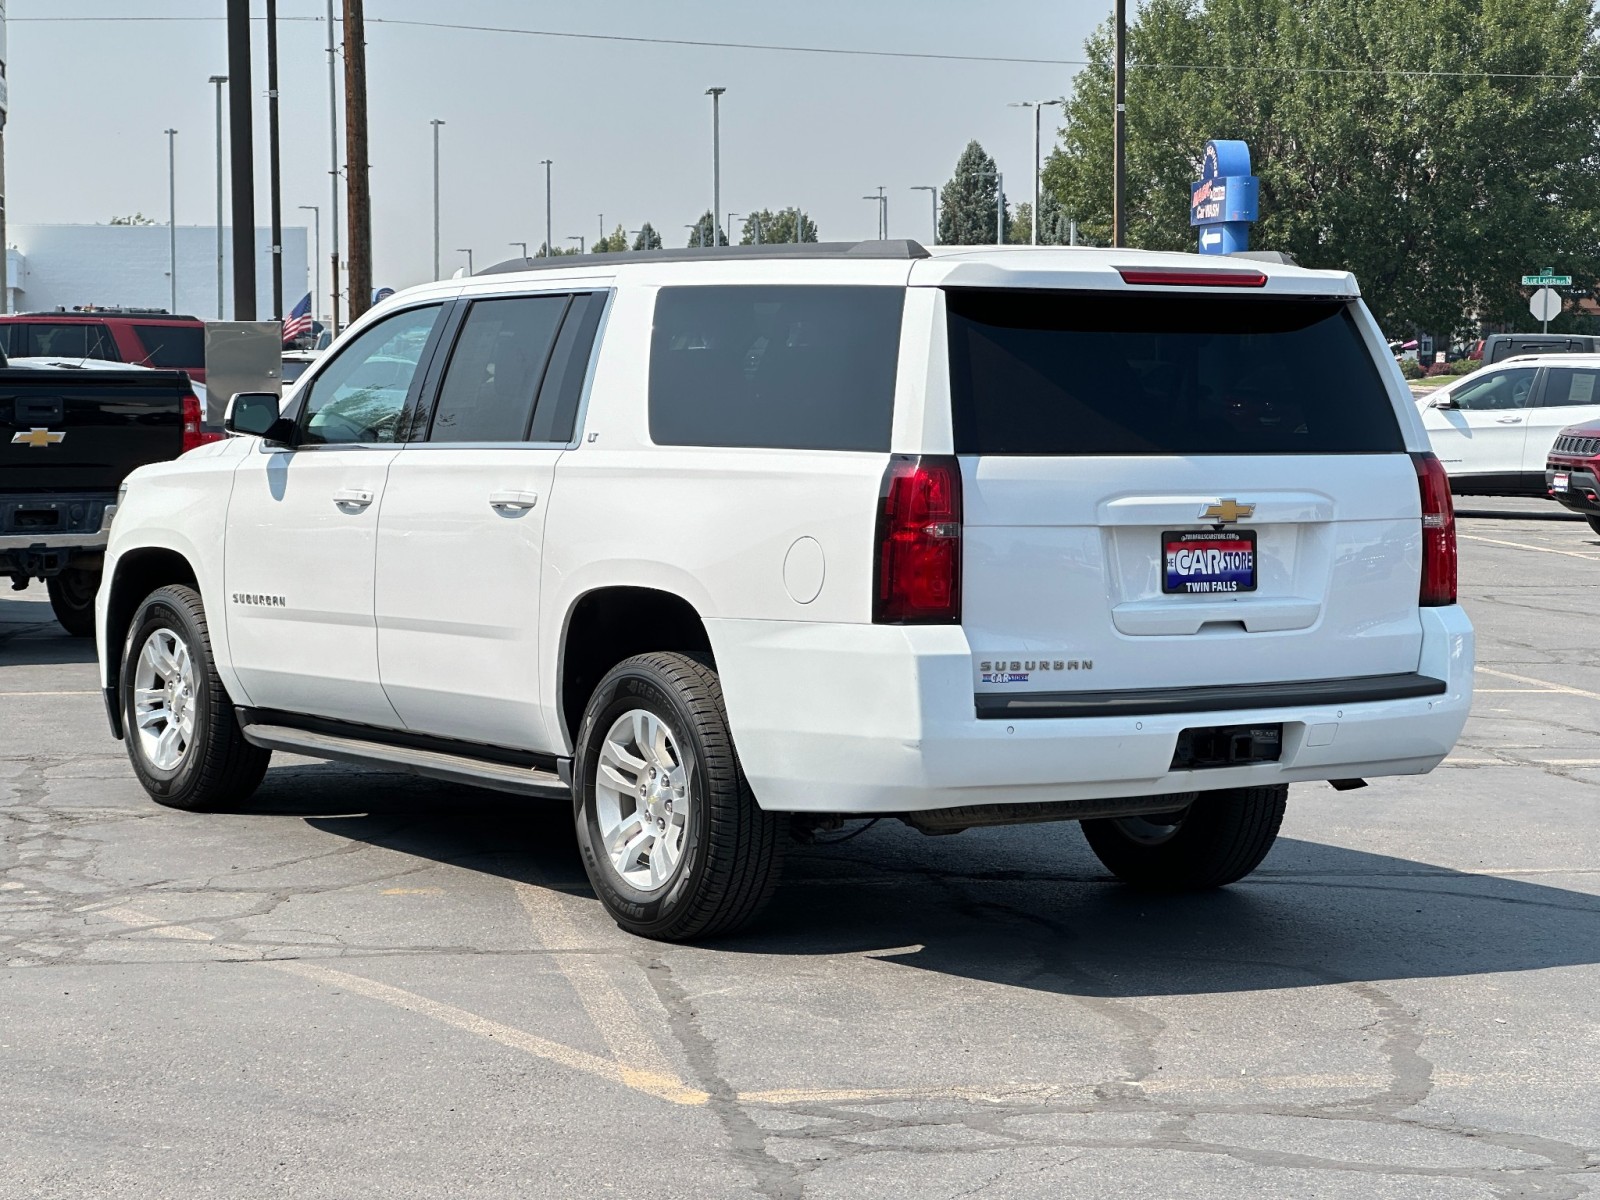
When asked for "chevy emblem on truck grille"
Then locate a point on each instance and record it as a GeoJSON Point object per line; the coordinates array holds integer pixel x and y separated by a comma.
{"type": "Point", "coordinates": [37, 438]}
{"type": "Point", "coordinates": [1227, 512]}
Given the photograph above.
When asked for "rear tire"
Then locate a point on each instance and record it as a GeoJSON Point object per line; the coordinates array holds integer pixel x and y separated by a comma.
{"type": "Point", "coordinates": [183, 736]}
{"type": "Point", "coordinates": [1219, 839]}
{"type": "Point", "coordinates": [672, 838]}
{"type": "Point", "coordinates": [1594, 522]}
{"type": "Point", "coordinates": [72, 600]}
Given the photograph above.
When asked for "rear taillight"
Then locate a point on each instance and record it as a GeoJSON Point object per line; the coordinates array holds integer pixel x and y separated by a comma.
{"type": "Point", "coordinates": [1438, 532]}
{"type": "Point", "coordinates": [193, 433]}
{"type": "Point", "coordinates": [918, 577]}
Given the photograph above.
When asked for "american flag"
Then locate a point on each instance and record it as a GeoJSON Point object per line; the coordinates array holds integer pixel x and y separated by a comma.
{"type": "Point", "coordinates": [298, 323]}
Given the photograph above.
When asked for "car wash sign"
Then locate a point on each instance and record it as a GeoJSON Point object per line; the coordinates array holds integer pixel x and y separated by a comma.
{"type": "Point", "coordinates": [1226, 200]}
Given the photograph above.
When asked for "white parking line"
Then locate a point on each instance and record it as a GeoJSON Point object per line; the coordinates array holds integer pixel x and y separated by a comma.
{"type": "Point", "coordinates": [7, 695]}
{"type": "Point", "coordinates": [1473, 537]}
{"type": "Point", "coordinates": [1544, 684]}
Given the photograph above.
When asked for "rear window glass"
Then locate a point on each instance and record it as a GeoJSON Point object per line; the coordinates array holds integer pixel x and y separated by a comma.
{"type": "Point", "coordinates": [1053, 373]}
{"type": "Point", "coordinates": [80, 339]}
{"type": "Point", "coordinates": [791, 368]}
{"type": "Point", "coordinates": [181, 346]}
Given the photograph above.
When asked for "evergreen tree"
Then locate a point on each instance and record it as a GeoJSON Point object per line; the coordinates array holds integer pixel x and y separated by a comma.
{"type": "Point", "coordinates": [706, 232]}
{"type": "Point", "coordinates": [613, 242]}
{"type": "Point", "coordinates": [647, 239]}
{"type": "Point", "coordinates": [971, 204]}
{"type": "Point", "coordinates": [777, 227]}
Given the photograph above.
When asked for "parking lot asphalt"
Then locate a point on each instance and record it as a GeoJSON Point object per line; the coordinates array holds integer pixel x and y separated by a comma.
{"type": "Point", "coordinates": [367, 984]}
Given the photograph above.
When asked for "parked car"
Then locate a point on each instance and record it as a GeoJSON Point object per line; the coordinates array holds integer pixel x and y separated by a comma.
{"type": "Point", "coordinates": [296, 363]}
{"type": "Point", "coordinates": [1498, 347]}
{"type": "Point", "coordinates": [69, 436]}
{"type": "Point", "coordinates": [1572, 470]}
{"type": "Point", "coordinates": [1493, 429]}
{"type": "Point", "coordinates": [148, 337]}
{"type": "Point", "coordinates": [717, 545]}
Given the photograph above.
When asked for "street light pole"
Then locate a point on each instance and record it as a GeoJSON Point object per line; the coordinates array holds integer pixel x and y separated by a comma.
{"type": "Point", "coordinates": [883, 212]}
{"type": "Point", "coordinates": [999, 209]}
{"type": "Point", "coordinates": [933, 194]}
{"type": "Point", "coordinates": [219, 80]}
{"type": "Point", "coordinates": [436, 123]}
{"type": "Point", "coordinates": [524, 246]}
{"type": "Point", "coordinates": [468, 253]}
{"type": "Point", "coordinates": [1038, 107]}
{"type": "Point", "coordinates": [333, 171]}
{"type": "Point", "coordinates": [316, 258]}
{"type": "Point", "coordinates": [732, 217]}
{"type": "Point", "coordinates": [172, 215]}
{"type": "Point", "coordinates": [582, 246]}
{"type": "Point", "coordinates": [716, 157]}
{"type": "Point", "coordinates": [549, 246]}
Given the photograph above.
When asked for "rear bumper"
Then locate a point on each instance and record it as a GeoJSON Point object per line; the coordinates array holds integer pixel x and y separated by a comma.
{"type": "Point", "coordinates": [44, 551]}
{"type": "Point", "coordinates": [881, 719]}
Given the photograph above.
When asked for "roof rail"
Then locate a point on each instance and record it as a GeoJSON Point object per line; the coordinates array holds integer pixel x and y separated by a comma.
{"type": "Point", "coordinates": [894, 249]}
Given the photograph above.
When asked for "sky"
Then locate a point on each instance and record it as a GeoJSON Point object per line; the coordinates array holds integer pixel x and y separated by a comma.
{"type": "Point", "coordinates": [628, 126]}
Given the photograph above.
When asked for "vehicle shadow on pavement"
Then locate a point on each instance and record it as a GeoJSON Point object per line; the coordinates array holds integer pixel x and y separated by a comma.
{"type": "Point", "coordinates": [1027, 906]}
{"type": "Point", "coordinates": [30, 637]}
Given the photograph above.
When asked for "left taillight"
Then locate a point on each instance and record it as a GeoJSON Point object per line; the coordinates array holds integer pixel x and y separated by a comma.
{"type": "Point", "coordinates": [194, 433]}
{"type": "Point", "coordinates": [917, 580]}
{"type": "Point", "coordinates": [1438, 532]}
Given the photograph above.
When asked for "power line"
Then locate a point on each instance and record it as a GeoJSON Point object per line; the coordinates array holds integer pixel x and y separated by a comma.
{"type": "Point", "coordinates": [1213, 68]}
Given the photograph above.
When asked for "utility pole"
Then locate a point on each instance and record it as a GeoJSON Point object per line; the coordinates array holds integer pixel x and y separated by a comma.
{"type": "Point", "coordinates": [316, 259]}
{"type": "Point", "coordinates": [549, 246]}
{"type": "Point", "coordinates": [1119, 129]}
{"type": "Point", "coordinates": [172, 215]}
{"type": "Point", "coordinates": [716, 157]}
{"type": "Point", "coordinates": [358, 202]}
{"type": "Point", "coordinates": [242, 152]}
{"type": "Point", "coordinates": [272, 160]}
{"type": "Point", "coordinates": [933, 194]}
{"type": "Point", "coordinates": [333, 169]}
{"type": "Point", "coordinates": [219, 80]}
{"type": "Point", "coordinates": [436, 123]}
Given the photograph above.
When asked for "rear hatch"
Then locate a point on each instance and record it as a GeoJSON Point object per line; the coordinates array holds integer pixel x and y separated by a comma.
{"type": "Point", "coordinates": [1174, 490]}
{"type": "Point", "coordinates": [83, 431]}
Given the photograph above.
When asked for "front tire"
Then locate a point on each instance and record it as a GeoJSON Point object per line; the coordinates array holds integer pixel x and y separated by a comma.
{"type": "Point", "coordinates": [183, 737]}
{"type": "Point", "coordinates": [1219, 839]}
{"type": "Point", "coordinates": [1594, 522]}
{"type": "Point", "coordinates": [72, 600]}
{"type": "Point", "coordinates": [671, 835]}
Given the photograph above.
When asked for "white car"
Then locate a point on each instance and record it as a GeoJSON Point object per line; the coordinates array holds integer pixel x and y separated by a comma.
{"type": "Point", "coordinates": [1494, 428]}
{"type": "Point", "coordinates": [724, 545]}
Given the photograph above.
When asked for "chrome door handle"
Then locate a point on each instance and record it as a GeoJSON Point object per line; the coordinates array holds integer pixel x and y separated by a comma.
{"type": "Point", "coordinates": [356, 497]}
{"type": "Point", "coordinates": [1508, 420]}
{"type": "Point", "coordinates": [512, 501]}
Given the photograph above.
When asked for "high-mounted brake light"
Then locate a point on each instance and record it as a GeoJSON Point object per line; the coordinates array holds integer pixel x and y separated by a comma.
{"type": "Point", "coordinates": [1438, 532]}
{"type": "Point", "coordinates": [1192, 277]}
{"type": "Point", "coordinates": [193, 433]}
{"type": "Point", "coordinates": [917, 580]}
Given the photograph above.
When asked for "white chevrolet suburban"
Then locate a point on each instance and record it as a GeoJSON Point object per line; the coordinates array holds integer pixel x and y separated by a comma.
{"type": "Point", "coordinates": [724, 546]}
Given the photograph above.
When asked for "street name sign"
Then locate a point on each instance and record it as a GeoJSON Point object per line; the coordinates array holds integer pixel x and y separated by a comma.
{"type": "Point", "coordinates": [1547, 280]}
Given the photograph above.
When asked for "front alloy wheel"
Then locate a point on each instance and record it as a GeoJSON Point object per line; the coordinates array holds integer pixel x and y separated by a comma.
{"type": "Point", "coordinates": [163, 699]}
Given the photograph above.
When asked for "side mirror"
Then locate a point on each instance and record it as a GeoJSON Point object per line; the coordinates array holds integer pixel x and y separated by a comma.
{"type": "Point", "coordinates": [1444, 402]}
{"type": "Point", "coordinates": [255, 413]}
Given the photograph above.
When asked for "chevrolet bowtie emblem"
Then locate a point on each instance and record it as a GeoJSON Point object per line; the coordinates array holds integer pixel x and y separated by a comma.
{"type": "Point", "coordinates": [1227, 512]}
{"type": "Point", "coordinates": [37, 438]}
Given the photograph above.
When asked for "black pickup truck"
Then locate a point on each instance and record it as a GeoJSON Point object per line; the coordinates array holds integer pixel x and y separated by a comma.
{"type": "Point", "coordinates": [68, 438]}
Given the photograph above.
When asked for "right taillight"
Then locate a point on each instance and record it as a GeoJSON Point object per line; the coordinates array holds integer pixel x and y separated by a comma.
{"type": "Point", "coordinates": [194, 433]}
{"type": "Point", "coordinates": [1438, 532]}
{"type": "Point", "coordinates": [917, 580]}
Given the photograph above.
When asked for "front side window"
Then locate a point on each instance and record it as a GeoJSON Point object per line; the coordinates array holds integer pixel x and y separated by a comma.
{"type": "Point", "coordinates": [1564, 386]}
{"type": "Point", "coordinates": [1500, 390]}
{"type": "Point", "coordinates": [500, 356]}
{"type": "Point", "coordinates": [361, 395]}
{"type": "Point", "coordinates": [784, 367]}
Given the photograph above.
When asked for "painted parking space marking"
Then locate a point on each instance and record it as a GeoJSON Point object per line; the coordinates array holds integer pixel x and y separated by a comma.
{"type": "Point", "coordinates": [1473, 537]}
{"type": "Point", "coordinates": [1542, 684]}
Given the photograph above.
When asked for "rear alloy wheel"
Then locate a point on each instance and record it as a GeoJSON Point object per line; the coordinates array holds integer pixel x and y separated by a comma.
{"type": "Point", "coordinates": [72, 599]}
{"type": "Point", "coordinates": [1594, 522]}
{"type": "Point", "coordinates": [1219, 839]}
{"type": "Point", "coordinates": [671, 836]}
{"type": "Point", "coordinates": [183, 738]}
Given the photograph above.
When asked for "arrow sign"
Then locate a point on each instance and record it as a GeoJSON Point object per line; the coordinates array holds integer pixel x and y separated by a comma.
{"type": "Point", "coordinates": [1211, 237]}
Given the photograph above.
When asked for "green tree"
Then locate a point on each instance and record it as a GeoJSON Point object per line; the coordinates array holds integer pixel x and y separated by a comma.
{"type": "Point", "coordinates": [648, 238]}
{"type": "Point", "coordinates": [546, 252]}
{"type": "Point", "coordinates": [777, 227]}
{"type": "Point", "coordinates": [705, 232]}
{"type": "Point", "coordinates": [971, 203]}
{"type": "Point", "coordinates": [1020, 230]}
{"type": "Point", "coordinates": [613, 242]}
{"type": "Point", "coordinates": [1438, 149]}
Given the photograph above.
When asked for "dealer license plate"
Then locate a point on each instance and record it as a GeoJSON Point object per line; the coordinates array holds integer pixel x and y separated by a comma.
{"type": "Point", "coordinates": [1209, 563]}
{"type": "Point", "coordinates": [1558, 481]}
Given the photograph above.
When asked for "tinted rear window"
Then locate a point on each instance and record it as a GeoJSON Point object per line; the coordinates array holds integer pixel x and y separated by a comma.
{"type": "Point", "coordinates": [74, 339]}
{"type": "Point", "coordinates": [1054, 373]}
{"type": "Point", "coordinates": [792, 368]}
{"type": "Point", "coordinates": [181, 346]}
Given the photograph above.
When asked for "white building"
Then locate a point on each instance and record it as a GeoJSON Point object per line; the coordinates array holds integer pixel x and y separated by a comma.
{"type": "Point", "coordinates": [127, 266]}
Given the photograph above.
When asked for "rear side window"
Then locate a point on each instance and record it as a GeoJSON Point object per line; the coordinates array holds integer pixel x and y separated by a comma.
{"type": "Point", "coordinates": [1064, 373]}
{"type": "Point", "coordinates": [1569, 386]}
{"type": "Point", "coordinates": [83, 339]}
{"type": "Point", "coordinates": [790, 368]}
{"type": "Point", "coordinates": [177, 346]}
{"type": "Point", "coordinates": [494, 373]}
